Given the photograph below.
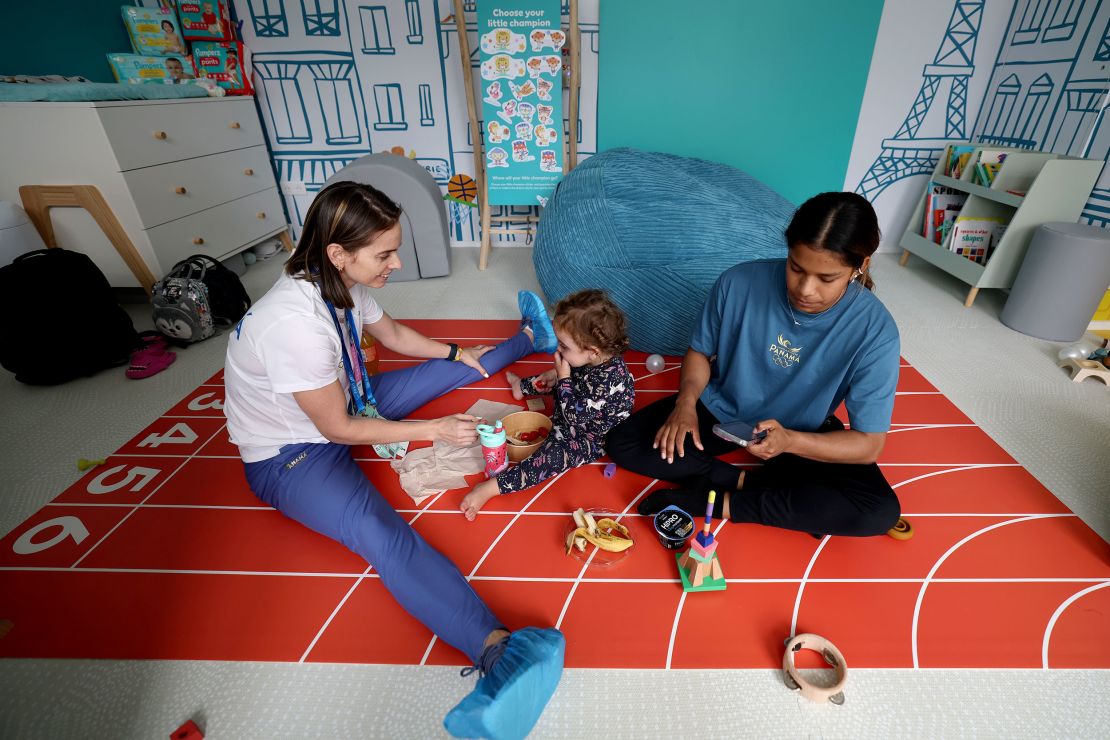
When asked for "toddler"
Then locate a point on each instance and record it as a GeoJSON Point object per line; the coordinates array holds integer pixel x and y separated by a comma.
{"type": "Point", "coordinates": [593, 393]}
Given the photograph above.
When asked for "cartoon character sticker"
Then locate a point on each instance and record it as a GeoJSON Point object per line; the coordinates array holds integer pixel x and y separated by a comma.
{"type": "Point", "coordinates": [541, 200]}
{"type": "Point", "coordinates": [493, 93]}
{"type": "Point", "coordinates": [554, 64]}
{"type": "Point", "coordinates": [535, 67]}
{"type": "Point", "coordinates": [496, 132]}
{"type": "Point", "coordinates": [525, 111]}
{"type": "Point", "coordinates": [508, 110]}
{"type": "Point", "coordinates": [522, 91]}
{"type": "Point", "coordinates": [502, 40]}
{"type": "Point", "coordinates": [502, 66]}
{"type": "Point", "coordinates": [541, 39]}
{"type": "Point", "coordinates": [543, 87]}
{"type": "Point", "coordinates": [498, 157]}
{"type": "Point", "coordinates": [548, 162]}
{"type": "Point", "coordinates": [523, 131]}
{"type": "Point", "coordinates": [520, 152]}
{"type": "Point", "coordinates": [545, 112]}
{"type": "Point", "coordinates": [545, 135]}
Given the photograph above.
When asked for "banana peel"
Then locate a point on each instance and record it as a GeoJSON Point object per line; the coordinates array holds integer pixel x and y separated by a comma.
{"type": "Point", "coordinates": [606, 534]}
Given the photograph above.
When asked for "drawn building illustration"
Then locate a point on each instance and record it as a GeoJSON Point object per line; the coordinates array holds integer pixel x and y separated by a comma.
{"type": "Point", "coordinates": [338, 79]}
{"type": "Point", "coordinates": [1048, 90]}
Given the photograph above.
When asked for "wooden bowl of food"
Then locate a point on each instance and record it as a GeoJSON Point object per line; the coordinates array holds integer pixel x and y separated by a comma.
{"type": "Point", "coordinates": [525, 431]}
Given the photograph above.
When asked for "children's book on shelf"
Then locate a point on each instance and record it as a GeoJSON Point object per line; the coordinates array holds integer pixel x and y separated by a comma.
{"type": "Point", "coordinates": [974, 237]}
{"type": "Point", "coordinates": [956, 157]}
{"type": "Point", "coordinates": [942, 206]}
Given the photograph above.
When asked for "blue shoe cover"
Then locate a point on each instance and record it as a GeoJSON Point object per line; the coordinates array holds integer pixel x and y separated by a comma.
{"type": "Point", "coordinates": [535, 316]}
{"type": "Point", "coordinates": [507, 702]}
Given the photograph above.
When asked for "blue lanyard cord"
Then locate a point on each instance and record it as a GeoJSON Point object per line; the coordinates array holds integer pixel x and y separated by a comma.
{"type": "Point", "coordinates": [360, 403]}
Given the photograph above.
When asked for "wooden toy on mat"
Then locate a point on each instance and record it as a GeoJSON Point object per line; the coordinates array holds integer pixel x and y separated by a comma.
{"type": "Point", "coordinates": [698, 566]}
{"type": "Point", "coordinates": [902, 529]}
{"type": "Point", "coordinates": [1082, 369]}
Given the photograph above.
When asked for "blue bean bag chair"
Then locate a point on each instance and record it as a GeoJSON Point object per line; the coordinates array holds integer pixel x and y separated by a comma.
{"type": "Point", "coordinates": [655, 230]}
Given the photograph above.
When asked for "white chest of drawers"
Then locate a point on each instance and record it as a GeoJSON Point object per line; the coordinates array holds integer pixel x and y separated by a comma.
{"type": "Point", "coordinates": [182, 176]}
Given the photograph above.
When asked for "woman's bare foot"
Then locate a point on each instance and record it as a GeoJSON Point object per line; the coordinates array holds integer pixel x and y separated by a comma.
{"type": "Point", "coordinates": [514, 385]}
{"type": "Point", "coordinates": [473, 502]}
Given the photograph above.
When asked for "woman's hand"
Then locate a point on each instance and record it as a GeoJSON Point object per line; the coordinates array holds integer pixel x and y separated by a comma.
{"type": "Point", "coordinates": [671, 437]}
{"type": "Point", "coordinates": [562, 367]}
{"type": "Point", "coordinates": [777, 441]}
{"type": "Point", "coordinates": [544, 381]}
{"type": "Point", "coordinates": [457, 429]}
{"type": "Point", "coordinates": [469, 357]}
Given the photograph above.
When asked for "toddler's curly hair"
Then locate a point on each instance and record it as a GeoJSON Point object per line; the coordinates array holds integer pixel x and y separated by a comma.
{"type": "Point", "coordinates": [593, 320]}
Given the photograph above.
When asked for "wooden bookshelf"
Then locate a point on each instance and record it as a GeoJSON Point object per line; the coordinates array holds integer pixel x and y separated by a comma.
{"type": "Point", "coordinates": [1056, 188]}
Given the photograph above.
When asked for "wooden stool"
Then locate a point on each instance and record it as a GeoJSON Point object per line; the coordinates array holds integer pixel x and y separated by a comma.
{"type": "Point", "coordinates": [39, 199]}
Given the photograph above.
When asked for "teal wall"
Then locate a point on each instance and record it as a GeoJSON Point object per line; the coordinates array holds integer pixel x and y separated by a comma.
{"type": "Point", "coordinates": [773, 88]}
{"type": "Point", "coordinates": [77, 35]}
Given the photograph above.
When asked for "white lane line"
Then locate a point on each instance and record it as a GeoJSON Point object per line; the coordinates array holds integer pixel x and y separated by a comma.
{"type": "Point", "coordinates": [802, 585]}
{"type": "Point", "coordinates": [351, 590]}
{"type": "Point", "coordinates": [1056, 615]}
{"type": "Point", "coordinates": [497, 539]}
{"type": "Point", "coordinates": [945, 556]}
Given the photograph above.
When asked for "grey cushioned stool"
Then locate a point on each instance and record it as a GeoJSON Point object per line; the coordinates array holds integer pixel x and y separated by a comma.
{"type": "Point", "coordinates": [1063, 277]}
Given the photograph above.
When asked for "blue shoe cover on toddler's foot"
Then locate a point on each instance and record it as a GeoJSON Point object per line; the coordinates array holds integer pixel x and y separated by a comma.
{"type": "Point", "coordinates": [507, 702]}
{"type": "Point", "coordinates": [535, 316]}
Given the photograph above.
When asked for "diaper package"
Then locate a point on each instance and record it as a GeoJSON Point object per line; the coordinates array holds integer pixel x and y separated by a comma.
{"type": "Point", "coordinates": [227, 63]}
{"type": "Point", "coordinates": [140, 69]}
{"type": "Point", "coordinates": [154, 31]}
{"type": "Point", "coordinates": [205, 20]}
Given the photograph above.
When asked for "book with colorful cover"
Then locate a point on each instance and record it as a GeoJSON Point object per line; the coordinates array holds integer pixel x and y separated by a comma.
{"type": "Point", "coordinates": [974, 237]}
{"type": "Point", "coordinates": [942, 205]}
{"type": "Point", "coordinates": [956, 157]}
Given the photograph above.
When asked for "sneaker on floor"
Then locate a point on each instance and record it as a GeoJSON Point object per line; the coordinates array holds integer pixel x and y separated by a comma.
{"type": "Point", "coordinates": [535, 317]}
{"type": "Point", "coordinates": [507, 701]}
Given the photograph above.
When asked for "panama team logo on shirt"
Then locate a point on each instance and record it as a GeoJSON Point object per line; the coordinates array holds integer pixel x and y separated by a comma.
{"type": "Point", "coordinates": [783, 354]}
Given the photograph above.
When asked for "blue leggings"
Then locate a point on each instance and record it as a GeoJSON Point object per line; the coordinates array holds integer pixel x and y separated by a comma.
{"type": "Point", "coordinates": [321, 486]}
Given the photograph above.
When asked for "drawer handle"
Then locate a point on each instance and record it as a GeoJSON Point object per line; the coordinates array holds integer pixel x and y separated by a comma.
{"type": "Point", "coordinates": [180, 190]}
{"type": "Point", "coordinates": [261, 215]}
{"type": "Point", "coordinates": [234, 124]}
{"type": "Point", "coordinates": [248, 172]}
{"type": "Point", "coordinates": [198, 240]}
{"type": "Point", "coordinates": [160, 135]}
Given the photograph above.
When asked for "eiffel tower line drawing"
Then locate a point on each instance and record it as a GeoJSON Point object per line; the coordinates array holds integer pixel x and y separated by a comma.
{"type": "Point", "coordinates": [906, 153]}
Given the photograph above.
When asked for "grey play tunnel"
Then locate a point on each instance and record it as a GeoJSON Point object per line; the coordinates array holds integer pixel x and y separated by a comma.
{"type": "Point", "coordinates": [425, 244]}
{"type": "Point", "coordinates": [1063, 277]}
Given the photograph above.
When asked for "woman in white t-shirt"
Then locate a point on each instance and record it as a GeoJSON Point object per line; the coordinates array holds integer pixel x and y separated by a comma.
{"type": "Point", "coordinates": [297, 397]}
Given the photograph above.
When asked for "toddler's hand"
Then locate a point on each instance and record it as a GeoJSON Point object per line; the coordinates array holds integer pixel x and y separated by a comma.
{"type": "Point", "coordinates": [562, 367]}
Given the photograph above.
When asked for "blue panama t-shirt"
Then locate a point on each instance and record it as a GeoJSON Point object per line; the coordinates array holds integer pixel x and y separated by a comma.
{"type": "Point", "coordinates": [766, 367]}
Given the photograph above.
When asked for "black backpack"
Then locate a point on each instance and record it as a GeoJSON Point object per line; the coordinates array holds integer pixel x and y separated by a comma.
{"type": "Point", "coordinates": [196, 297]}
{"type": "Point", "coordinates": [60, 319]}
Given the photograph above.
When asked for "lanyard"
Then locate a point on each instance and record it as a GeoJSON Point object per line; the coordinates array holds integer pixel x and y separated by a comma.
{"type": "Point", "coordinates": [356, 392]}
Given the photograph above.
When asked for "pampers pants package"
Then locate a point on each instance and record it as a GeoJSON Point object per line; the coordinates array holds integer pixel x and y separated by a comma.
{"type": "Point", "coordinates": [205, 20]}
{"type": "Point", "coordinates": [138, 69]}
{"type": "Point", "coordinates": [227, 63]}
{"type": "Point", "coordinates": [153, 31]}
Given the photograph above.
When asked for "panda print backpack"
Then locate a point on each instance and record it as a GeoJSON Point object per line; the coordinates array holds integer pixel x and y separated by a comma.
{"type": "Point", "coordinates": [197, 297]}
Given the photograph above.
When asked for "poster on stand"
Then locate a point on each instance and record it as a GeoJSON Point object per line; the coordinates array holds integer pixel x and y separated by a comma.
{"type": "Point", "coordinates": [520, 43]}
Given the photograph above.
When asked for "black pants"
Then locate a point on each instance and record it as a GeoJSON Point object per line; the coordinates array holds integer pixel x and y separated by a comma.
{"type": "Point", "coordinates": [788, 491]}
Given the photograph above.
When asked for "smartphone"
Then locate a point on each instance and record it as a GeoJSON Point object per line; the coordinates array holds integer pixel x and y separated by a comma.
{"type": "Point", "coordinates": [740, 432]}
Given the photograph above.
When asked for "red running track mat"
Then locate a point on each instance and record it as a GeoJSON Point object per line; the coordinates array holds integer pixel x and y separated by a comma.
{"type": "Point", "coordinates": [163, 553]}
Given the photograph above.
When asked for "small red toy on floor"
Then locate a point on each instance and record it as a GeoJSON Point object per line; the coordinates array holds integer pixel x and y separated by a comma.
{"type": "Point", "coordinates": [187, 731]}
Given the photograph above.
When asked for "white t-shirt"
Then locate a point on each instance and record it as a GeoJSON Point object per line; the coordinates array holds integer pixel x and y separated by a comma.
{"type": "Point", "coordinates": [286, 343]}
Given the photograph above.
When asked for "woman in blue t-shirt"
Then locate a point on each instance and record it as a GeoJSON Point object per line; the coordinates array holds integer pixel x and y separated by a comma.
{"type": "Point", "coordinates": [780, 345]}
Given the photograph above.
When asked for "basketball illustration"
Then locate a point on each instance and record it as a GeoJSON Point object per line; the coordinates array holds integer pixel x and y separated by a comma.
{"type": "Point", "coordinates": [462, 187]}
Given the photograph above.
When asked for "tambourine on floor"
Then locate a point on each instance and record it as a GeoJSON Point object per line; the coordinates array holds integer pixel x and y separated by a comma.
{"type": "Point", "coordinates": [182, 562]}
{"type": "Point", "coordinates": [796, 681]}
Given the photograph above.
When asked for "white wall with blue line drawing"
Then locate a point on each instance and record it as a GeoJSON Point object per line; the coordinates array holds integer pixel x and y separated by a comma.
{"type": "Point", "coordinates": [338, 79]}
{"type": "Point", "coordinates": [1033, 74]}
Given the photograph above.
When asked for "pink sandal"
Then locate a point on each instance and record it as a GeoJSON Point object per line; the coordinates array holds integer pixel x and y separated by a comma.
{"type": "Point", "coordinates": [150, 360]}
